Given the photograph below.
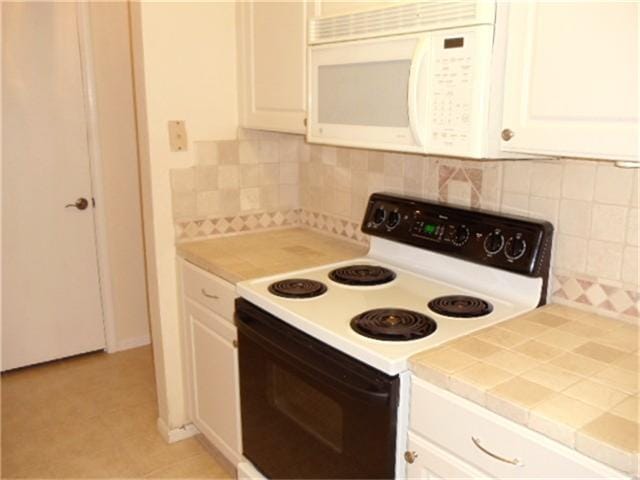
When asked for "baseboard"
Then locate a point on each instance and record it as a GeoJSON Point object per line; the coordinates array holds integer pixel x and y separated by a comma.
{"type": "Point", "coordinates": [219, 457]}
{"type": "Point", "coordinates": [177, 434]}
{"type": "Point", "coordinates": [134, 342]}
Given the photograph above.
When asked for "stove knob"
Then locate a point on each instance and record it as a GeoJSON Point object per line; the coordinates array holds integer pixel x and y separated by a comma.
{"type": "Point", "coordinates": [379, 214]}
{"type": "Point", "coordinates": [515, 248]}
{"type": "Point", "coordinates": [393, 220]}
{"type": "Point", "coordinates": [493, 243]}
{"type": "Point", "coordinates": [460, 235]}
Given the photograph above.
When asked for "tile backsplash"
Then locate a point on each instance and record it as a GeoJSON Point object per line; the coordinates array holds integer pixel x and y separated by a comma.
{"type": "Point", "coordinates": [266, 180]}
{"type": "Point", "coordinates": [255, 173]}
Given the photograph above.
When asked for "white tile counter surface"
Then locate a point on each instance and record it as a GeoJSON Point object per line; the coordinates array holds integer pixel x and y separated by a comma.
{"type": "Point", "coordinates": [253, 255]}
{"type": "Point", "coordinates": [568, 374]}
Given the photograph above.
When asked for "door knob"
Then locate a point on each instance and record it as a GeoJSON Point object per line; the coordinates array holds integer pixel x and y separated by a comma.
{"type": "Point", "coordinates": [81, 204]}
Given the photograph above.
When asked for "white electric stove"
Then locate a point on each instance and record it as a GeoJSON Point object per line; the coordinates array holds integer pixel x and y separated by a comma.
{"type": "Point", "coordinates": [433, 273]}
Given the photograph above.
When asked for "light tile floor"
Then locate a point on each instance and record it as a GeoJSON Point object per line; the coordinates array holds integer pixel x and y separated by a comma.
{"type": "Point", "coordinates": [92, 416]}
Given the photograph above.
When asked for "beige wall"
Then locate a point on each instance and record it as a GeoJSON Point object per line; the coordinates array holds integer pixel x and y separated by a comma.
{"type": "Point", "coordinates": [185, 64]}
{"type": "Point", "coordinates": [121, 181]}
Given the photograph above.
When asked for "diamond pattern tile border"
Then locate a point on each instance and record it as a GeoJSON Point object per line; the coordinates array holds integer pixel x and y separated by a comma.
{"type": "Point", "coordinates": [333, 225]}
{"type": "Point", "coordinates": [595, 295]}
{"type": "Point", "coordinates": [189, 230]}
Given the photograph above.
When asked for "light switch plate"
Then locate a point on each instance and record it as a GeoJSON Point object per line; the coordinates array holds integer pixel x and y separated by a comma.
{"type": "Point", "coordinates": [177, 135]}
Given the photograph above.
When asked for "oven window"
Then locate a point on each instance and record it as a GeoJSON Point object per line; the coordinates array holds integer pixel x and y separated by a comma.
{"type": "Point", "coordinates": [309, 408]}
{"type": "Point", "coordinates": [368, 94]}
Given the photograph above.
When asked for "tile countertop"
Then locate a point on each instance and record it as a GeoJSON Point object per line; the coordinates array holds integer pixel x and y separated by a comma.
{"type": "Point", "coordinates": [252, 255]}
{"type": "Point", "coordinates": [569, 374]}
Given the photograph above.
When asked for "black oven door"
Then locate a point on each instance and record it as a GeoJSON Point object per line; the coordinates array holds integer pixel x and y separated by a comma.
{"type": "Point", "coordinates": [308, 410]}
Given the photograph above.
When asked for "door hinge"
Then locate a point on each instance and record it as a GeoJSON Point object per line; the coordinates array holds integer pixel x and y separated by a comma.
{"type": "Point", "coordinates": [93, 202]}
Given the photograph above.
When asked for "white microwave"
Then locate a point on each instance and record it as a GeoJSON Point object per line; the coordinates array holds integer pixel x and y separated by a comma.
{"type": "Point", "coordinates": [421, 77]}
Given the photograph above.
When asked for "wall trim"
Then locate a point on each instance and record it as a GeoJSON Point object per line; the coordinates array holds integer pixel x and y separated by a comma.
{"type": "Point", "coordinates": [176, 434]}
{"type": "Point", "coordinates": [134, 342]}
{"type": "Point", "coordinates": [95, 163]}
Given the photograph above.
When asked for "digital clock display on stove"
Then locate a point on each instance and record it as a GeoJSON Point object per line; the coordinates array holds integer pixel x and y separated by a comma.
{"type": "Point", "coordinates": [430, 229]}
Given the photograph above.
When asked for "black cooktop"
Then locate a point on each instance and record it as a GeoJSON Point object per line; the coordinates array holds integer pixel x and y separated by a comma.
{"type": "Point", "coordinates": [297, 288]}
{"type": "Point", "coordinates": [362, 275]}
{"type": "Point", "coordinates": [460, 306]}
{"type": "Point", "coordinates": [393, 324]}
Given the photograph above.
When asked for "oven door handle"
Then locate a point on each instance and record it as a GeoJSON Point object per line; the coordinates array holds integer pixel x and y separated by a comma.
{"type": "Point", "coordinates": [322, 375]}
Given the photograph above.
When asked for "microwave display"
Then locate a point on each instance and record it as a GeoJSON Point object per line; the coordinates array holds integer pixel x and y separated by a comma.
{"type": "Point", "coordinates": [457, 42]}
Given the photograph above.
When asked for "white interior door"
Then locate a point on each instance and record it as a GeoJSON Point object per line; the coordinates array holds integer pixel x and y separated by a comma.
{"type": "Point", "coordinates": [51, 292]}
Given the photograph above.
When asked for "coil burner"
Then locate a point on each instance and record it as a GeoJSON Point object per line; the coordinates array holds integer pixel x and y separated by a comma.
{"type": "Point", "coordinates": [461, 306]}
{"type": "Point", "coordinates": [297, 288]}
{"type": "Point", "coordinates": [362, 275]}
{"type": "Point", "coordinates": [393, 324]}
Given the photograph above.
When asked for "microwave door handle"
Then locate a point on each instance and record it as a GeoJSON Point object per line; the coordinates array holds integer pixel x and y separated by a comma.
{"type": "Point", "coordinates": [417, 130]}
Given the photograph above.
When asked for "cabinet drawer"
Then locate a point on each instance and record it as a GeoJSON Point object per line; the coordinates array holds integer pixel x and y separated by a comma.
{"type": "Point", "coordinates": [432, 462]}
{"type": "Point", "coordinates": [453, 423]}
{"type": "Point", "coordinates": [208, 290]}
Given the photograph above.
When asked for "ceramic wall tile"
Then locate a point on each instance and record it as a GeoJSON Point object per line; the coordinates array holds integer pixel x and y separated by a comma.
{"type": "Point", "coordinates": [206, 177]}
{"type": "Point", "coordinates": [604, 259]}
{"type": "Point", "coordinates": [183, 180]}
{"type": "Point", "coordinates": [249, 199]}
{"type": "Point", "coordinates": [632, 227]}
{"type": "Point", "coordinates": [613, 185]}
{"type": "Point", "coordinates": [517, 177]}
{"type": "Point", "coordinates": [546, 179]}
{"type": "Point", "coordinates": [578, 180]}
{"type": "Point", "coordinates": [208, 203]}
{"type": "Point", "coordinates": [592, 204]}
{"type": "Point", "coordinates": [575, 217]}
{"type": "Point", "coordinates": [608, 222]}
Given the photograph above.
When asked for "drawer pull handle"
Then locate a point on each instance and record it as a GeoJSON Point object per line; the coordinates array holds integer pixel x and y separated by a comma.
{"type": "Point", "coordinates": [208, 295]}
{"type": "Point", "coordinates": [514, 461]}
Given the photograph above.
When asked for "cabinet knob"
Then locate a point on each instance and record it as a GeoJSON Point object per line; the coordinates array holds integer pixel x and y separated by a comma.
{"type": "Point", "coordinates": [507, 134]}
{"type": "Point", "coordinates": [410, 457]}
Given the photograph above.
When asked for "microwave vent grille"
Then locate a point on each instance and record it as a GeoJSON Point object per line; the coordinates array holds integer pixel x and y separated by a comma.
{"type": "Point", "coordinates": [404, 18]}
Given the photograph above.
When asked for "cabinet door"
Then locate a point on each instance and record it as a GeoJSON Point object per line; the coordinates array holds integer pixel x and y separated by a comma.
{"type": "Point", "coordinates": [431, 462]}
{"type": "Point", "coordinates": [272, 48]}
{"type": "Point", "coordinates": [343, 7]}
{"type": "Point", "coordinates": [571, 85]}
{"type": "Point", "coordinates": [213, 378]}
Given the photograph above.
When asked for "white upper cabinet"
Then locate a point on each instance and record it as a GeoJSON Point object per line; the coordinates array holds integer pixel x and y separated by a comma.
{"type": "Point", "coordinates": [272, 42]}
{"type": "Point", "coordinates": [571, 85]}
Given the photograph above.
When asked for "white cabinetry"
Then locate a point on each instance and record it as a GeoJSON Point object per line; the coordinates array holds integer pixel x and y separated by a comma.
{"type": "Point", "coordinates": [451, 437]}
{"type": "Point", "coordinates": [272, 41]}
{"type": "Point", "coordinates": [571, 84]}
{"type": "Point", "coordinates": [211, 359]}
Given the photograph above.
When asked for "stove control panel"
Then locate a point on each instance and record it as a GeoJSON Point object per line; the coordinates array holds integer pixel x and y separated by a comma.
{"type": "Point", "coordinates": [511, 243]}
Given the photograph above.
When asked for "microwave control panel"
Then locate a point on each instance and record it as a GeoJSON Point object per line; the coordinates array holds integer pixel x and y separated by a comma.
{"type": "Point", "coordinates": [455, 98]}
{"type": "Point", "coordinates": [506, 242]}
{"type": "Point", "coordinates": [452, 89]}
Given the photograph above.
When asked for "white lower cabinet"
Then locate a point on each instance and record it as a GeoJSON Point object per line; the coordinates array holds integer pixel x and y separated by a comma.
{"type": "Point", "coordinates": [211, 364]}
{"type": "Point", "coordinates": [451, 437]}
{"type": "Point", "coordinates": [431, 462]}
